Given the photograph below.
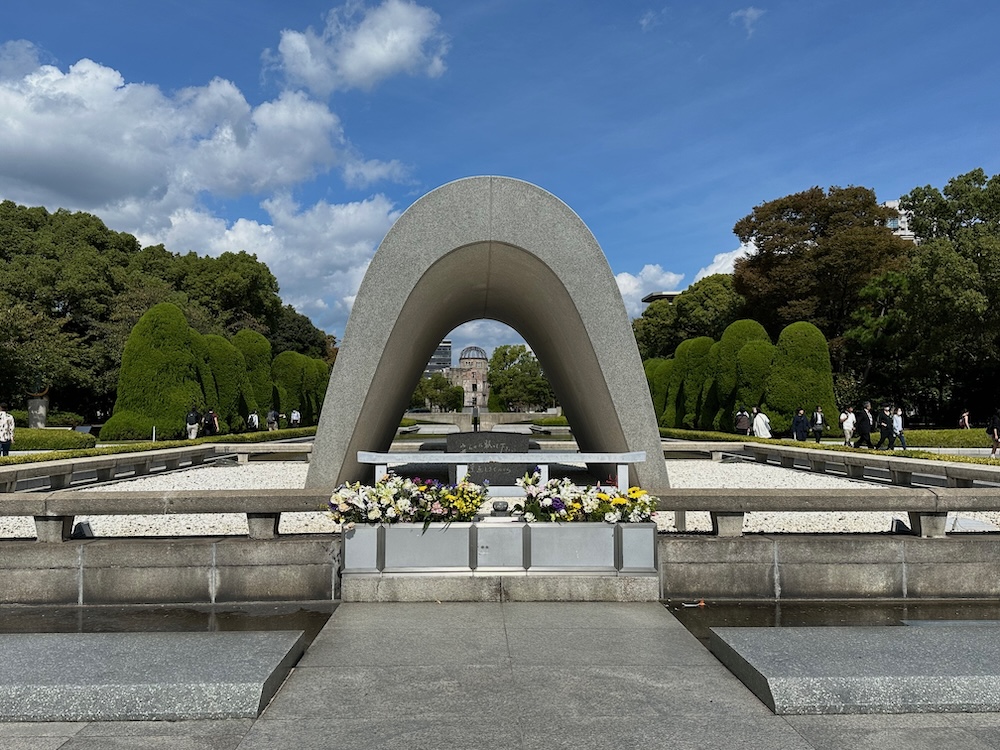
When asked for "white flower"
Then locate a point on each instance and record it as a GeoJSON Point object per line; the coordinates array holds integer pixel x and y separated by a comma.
{"type": "Point", "coordinates": [529, 517]}
{"type": "Point", "coordinates": [374, 513]}
{"type": "Point", "coordinates": [613, 517]}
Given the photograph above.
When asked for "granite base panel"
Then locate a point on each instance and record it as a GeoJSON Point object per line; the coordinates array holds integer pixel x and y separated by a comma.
{"type": "Point", "coordinates": [787, 567]}
{"type": "Point", "coordinates": [143, 676]}
{"type": "Point", "coordinates": [866, 670]}
{"type": "Point", "coordinates": [576, 587]}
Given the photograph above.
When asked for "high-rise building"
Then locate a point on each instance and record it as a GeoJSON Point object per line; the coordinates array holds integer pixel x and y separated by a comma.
{"type": "Point", "coordinates": [441, 359]}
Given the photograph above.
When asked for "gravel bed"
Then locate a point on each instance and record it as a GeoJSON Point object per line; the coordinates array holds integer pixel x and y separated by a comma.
{"type": "Point", "coordinates": [292, 474]}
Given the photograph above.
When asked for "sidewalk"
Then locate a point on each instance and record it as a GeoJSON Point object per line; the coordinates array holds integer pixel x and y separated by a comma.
{"type": "Point", "coordinates": [515, 675]}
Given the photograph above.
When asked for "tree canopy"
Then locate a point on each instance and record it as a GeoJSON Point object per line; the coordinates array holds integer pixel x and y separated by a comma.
{"type": "Point", "coordinates": [516, 380]}
{"type": "Point", "coordinates": [72, 290]}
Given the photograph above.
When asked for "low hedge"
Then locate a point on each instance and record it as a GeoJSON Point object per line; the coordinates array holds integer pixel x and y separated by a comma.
{"type": "Point", "coordinates": [52, 419]}
{"type": "Point", "coordinates": [551, 421]}
{"type": "Point", "coordinates": [26, 439]}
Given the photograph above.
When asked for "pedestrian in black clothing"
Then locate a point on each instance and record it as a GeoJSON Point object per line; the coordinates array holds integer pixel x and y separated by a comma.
{"type": "Point", "coordinates": [800, 425]}
{"type": "Point", "coordinates": [864, 426]}
{"type": "Point", "coordinates": [818, 423]}
{"type": "Point", "coordinates": [884, 424]}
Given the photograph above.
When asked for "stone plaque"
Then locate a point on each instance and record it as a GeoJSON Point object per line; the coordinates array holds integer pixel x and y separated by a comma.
{"type": "Point", "coordinates": [498, 475]}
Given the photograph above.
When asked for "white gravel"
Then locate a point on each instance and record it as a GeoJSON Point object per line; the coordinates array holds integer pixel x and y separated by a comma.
{"type": "Point", "coordinates": [289, 474]}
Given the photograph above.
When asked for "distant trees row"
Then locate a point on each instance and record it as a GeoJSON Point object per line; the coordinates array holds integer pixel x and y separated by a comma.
{"type": "Point", "coordinates": [168, 368]}
{"type": "Point", "coordinates": [71, 290]}
{"type": "Point", "coordinates": [705, 382]}
{"type": "Point", "coordinates": [915, 324]}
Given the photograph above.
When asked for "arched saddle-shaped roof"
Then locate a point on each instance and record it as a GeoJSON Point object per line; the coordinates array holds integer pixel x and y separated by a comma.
{"type": "Point", "coordinates": [503, 249]}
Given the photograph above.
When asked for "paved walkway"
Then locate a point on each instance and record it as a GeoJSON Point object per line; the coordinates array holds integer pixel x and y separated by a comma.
{"type": "Point", "coordinates": [514, 676]}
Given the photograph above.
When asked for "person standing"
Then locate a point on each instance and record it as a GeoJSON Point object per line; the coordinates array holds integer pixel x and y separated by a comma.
{"type": "Point", "coordinates": [963, 421]}
{"type": "Point", "coordinates": [761, 424]}
{"type": "Point", "coordinates": [884, 424]}
{"type": "Point", "coordinates": [6, 430]}
{"type": "Point", "coordinates": [295, 418]}
{"type": "Point", "coordinates": [742, 422]}
{"type": "Point", "coordinates": [193, 419]}
{"type": "Point", "coordinates": [253, 421]}
{"type": "Point", "coordinates": [800, 425]}
{"type": "Point", "coordinates": [272, 420]}
{"type": "Point", "coordinates": [994, 432]}
{"type": "Point", "coordinates": [897, 430]}
{"type": "Point", "coordinates": [864, 426]}
{"type": "Point", "coordinates": [847, 421]}
{"type": "Point", "coordinates": [818, 423]}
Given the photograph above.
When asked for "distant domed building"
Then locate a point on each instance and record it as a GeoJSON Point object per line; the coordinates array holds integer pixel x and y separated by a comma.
{"type": "Point", "coordinates": [471, 374]}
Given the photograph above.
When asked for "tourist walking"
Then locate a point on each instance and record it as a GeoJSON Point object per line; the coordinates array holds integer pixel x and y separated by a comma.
{"type": "Point", "coordinates": [761, 424]}
{"type": "Point", "coordinates": [295, 418]}
{"type": "Point", "coordinates": [6, 430]}
{"type": "Point", "coordinates": [897, 430]}
{"type": "Point", "coordinates": [884, 424]}
{"type": "Point", "coordinates": [253, 421]}
{"type": "Point", "coordinates": [800, 425]}
{"type": "Point", "coordinates": [818, 423]}
{"type": "Point", "coordinates": [963, 421]}
{"type": "Point", "coordinates": [994, 432]}
{"type": "Point", "coordinates": [193, 419]}
{"type": "Point", "coordinates": [864, 426]}
{"type": "Point", "coordinates": [742, 422]}
{"type": "Point", "coordinates": [211, 423]}
{"type": "Point", "coordinates": [272, 420]}
{"type": "Point", "coordinates": [847, 421]}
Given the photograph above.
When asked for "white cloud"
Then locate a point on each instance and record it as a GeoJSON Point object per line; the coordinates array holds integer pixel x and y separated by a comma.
{"type": "Point", "coordinates": [359, 47]}
{"type": "Point", "coordinates": [652, 278]}
{"type": "Point", "coordinates": [651, 19]}
{"type": "Point", "coordinates": [723, 262]}
{"type": "Point", "coordinates": [748, 17]}
{"type": "Point", "coordinates": [319, 254]}
{"type": "Point", "coordinates": [487, 334]}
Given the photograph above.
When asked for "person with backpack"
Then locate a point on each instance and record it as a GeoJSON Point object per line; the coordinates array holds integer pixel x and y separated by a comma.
{"type": "Point", "coordinates": [253, 421]}
{"type": "Point", "coordinates": [272, 420]}
{"type": "Point", "coordinates": [193, 419]}
{"type": "Point", "coordinates": [211, 423]}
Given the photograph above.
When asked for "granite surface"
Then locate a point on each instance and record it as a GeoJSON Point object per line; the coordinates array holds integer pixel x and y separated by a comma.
{"type": "Point", "coordinates": [847, 670]}
{"type": "Point", "coordinates": [142, 676]}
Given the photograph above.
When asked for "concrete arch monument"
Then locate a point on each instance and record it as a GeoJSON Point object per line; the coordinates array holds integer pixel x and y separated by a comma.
{"type": "Point", "coordinates": [503, 249]}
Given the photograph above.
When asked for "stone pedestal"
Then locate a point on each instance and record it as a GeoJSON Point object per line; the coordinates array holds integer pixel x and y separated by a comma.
{"type": "Point", "coordinates": [38, 412]}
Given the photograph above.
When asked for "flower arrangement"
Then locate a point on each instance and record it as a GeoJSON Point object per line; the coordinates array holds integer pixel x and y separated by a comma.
{"type": "Point", "coordinates": [395, 499]}
{"type": "Point", "coordinates": [561, 500]}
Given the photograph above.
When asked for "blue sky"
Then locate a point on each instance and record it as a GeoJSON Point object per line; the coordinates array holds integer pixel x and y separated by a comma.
{"type": "Point", "coordinates": [300, 131]}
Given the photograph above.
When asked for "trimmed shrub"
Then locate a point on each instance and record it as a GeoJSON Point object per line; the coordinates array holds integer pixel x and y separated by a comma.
{"type": "Point", "coordinates": [673, 405]}
{"type": "Point", "coordinates": [734, 338]}
{"type": "Point", "coordinates": [708, 406]}
{"type": "Point", "coordinates": [695, 374]}
{"type": "Point", "coordinates": [801, 376]}
{"type": "Point", "coordinates": [753, 363]}
{"type": "Point", "coordinates": [660, 386]}
{"type": "Point", "coordinates": [160, 378]}
{"type": "Point", "coordinates": [52, 419]}
{"type": "Point", "coordinates": [256, 352]}
{"type": "Point", "coordinates": [235, 394]}
{"type": "Point", "coordinates": [289, 372]}
{"type": "Point", "coordinates": [26, 439]}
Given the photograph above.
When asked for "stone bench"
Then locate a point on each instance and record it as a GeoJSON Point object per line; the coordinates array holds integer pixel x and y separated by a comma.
{"type": "Point", "coordinates": [60, 473]}
{"type": "Point", "coordinates": [541, 459]}
{"type": "Point", "coordinates": [927, 509]}
{"type": "Point", "coordinates": [244, 451]}
{"type": "Point", "coordinates": [55, 512]}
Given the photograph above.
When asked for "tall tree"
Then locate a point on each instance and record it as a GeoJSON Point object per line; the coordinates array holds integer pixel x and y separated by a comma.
{"type": "Point", "coordinates": [516, 380]}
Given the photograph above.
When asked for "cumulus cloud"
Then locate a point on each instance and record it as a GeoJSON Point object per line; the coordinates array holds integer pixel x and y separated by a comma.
{"type": "Point", "coordinates": [723, 262]}
{"type": "Point", "coordinates": [652, 278]}
{"type": "Point", "coordinates": [748, 17]}
{"type": "Point", "coordinates": [651, 19]}
{"type": "Point", "coordinates": [319, 254]}
{"type": "Point", "coordinates": [359, 47]}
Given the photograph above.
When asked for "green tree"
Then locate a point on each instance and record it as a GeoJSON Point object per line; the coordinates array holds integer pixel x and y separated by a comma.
{"type": "Point", "coordinates": [294, 332]}
{"type": "Point", "coordinates": [753, 363]}
{"type": "Point", "coordinates": [435, 391]}
{"type": "Point", "coordinates": [516, 380]}
{"type": "Point", "coordinates": [734, 338]}
{"type": "Point", "coordinates": [814, 252]}
{"type": "Point", "coordinates": [697, 371]}
{"type": "Point", "coordinates": [236, 397]}
{"type": "Point", "coordinates": [256, 352]}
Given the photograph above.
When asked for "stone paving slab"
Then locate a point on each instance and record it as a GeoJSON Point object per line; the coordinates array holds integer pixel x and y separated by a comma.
{"type": "Point", "coordinates": [63, 677]}
{"type": "Point", "coordinates": [866, 670]}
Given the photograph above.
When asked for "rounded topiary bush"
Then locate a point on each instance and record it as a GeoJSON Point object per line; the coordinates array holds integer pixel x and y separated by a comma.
{"type": "Point", "coordinates": [673, 404]}
{"type": "Point", "coordinates": [256, 352]}
{"type": "Point", "coordinates": [753, 363]}
{"type": "Point", "coordinates": [661, 385]}
{"type": "Point", "coordinates": [734, 338]}
{"type": "Point", "coordinates": [26, 439]}
{"type": "Point", "coordinates": [708, 403]}
{"type": "Point", "coordinates": [160, 377]}
{"type": "Point", "coordinates": [288, 371]}
{"type": "Point", "coordinates": [695, 374]}
{"type": "Point", "coordinates": [235, 394]}
{"type": "Point", "coordinates": [801, 376]}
